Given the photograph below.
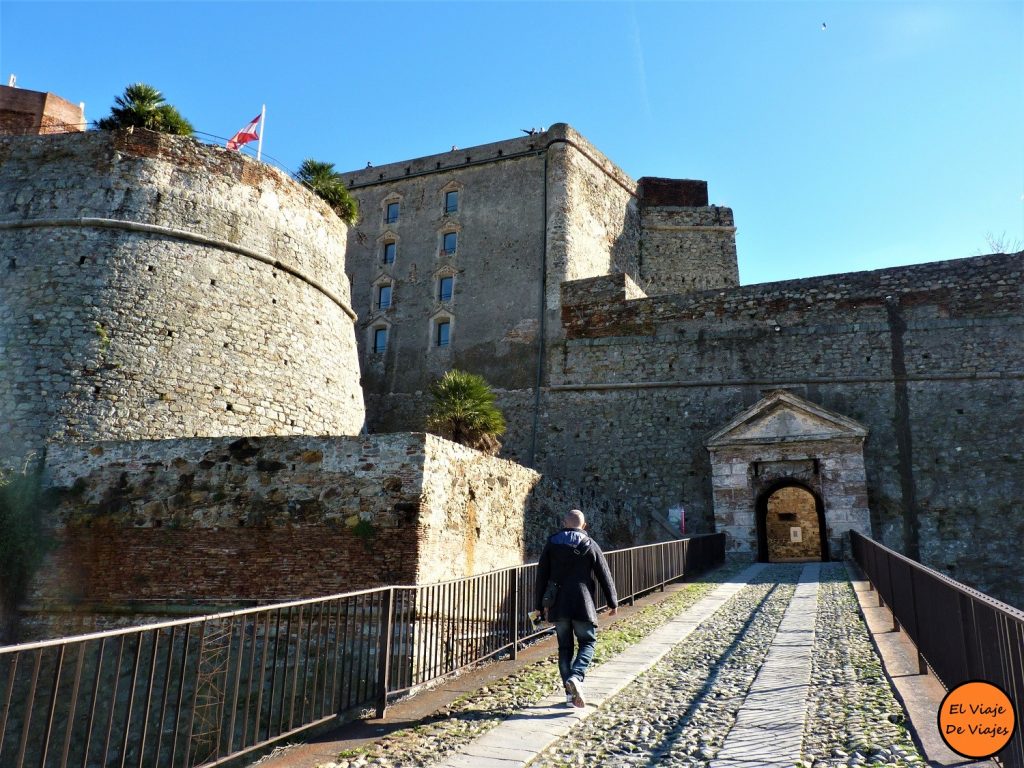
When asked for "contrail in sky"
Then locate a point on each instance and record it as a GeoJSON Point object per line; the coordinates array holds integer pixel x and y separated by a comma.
{"type": "Point", "coordinates": [638, 57]}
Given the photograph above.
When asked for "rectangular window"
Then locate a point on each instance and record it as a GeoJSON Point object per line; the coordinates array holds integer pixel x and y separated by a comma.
{"type": "Point", "coordinates": [451, 241]}
{"type": "Point", "coordinates": [445, 288]}
{"type": "Point", "coordinates": [380, 340]}
{"type": "Point", "coordinates": [451, 201]}
{"type": "Point", "coordinates": [389, 253]}
{"type": "Point", "coordinates": [443, 333]}
{"type": "Point", "coordinates": [391, 215]}
{"type": "Point", "coordinates": [384, 297]}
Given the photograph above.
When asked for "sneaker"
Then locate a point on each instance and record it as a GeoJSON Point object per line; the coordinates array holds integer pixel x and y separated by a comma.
{"type": "Point", "coordinates": [568, 700]}
{"type": "Point", "coordinates": [574, 687]}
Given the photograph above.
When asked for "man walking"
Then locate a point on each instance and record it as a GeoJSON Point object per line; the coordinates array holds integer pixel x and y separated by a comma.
{"type": "Point", "coordinates": [571, 559]}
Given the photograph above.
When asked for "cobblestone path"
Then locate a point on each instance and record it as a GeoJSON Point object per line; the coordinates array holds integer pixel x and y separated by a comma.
{"type": "Point", "coordinates": [679, 713]}
{"type": "Point", "coordinates": [775, 669]}
{"type": "Point", "coordinates": [702, 705]}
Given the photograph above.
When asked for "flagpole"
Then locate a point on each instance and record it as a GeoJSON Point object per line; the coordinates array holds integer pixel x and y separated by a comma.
{"type": "Point", "coordinates": [263, 121]}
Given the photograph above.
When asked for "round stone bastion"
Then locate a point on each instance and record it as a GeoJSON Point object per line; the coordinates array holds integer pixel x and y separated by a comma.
{"type": "Point", "coordinates": [152, 287]}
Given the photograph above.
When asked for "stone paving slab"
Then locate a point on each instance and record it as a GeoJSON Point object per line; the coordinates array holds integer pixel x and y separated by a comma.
{"type": "Point", "coordinates": [536, 728]}
{"type": "Point", "coordinates": [769, 736]}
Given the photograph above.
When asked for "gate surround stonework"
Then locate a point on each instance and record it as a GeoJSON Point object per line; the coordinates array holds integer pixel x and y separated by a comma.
{"type": "Point", "coordinates": [784, 440]}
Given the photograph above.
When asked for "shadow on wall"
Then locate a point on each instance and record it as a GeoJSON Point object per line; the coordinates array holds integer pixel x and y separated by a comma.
{"type": "Point", "coordinates": [612, 526]}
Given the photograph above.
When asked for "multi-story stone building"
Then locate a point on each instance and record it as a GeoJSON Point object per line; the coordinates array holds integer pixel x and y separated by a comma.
{"type": "Point", "coordinates": [458, 258]}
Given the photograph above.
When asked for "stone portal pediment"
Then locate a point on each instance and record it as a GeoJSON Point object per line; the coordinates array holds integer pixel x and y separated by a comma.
{"type": "Point", "coordinates": [785, 417]}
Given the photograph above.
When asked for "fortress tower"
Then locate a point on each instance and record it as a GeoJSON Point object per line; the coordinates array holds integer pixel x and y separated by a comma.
{"type": "Point", "coordinates": [154, 287]}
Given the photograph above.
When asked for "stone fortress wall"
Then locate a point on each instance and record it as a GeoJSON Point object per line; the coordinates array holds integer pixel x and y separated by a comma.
{"type": "Point", "coordinates": [687, 245]}
{"type": "Point", "coordinates": [930, 358]}
{"type": "Point", "coordinates": [168, 308]}
{"type": "Point", "coordinates": [154, 287]}
{"type": "Point", "coordinates": [926, 357]}
{"type": "Point", "coordinates": [487, 255]}
{"type": "Point", "coordinates": [152, 526]}
{"type": "Point", "coordinates": [532, 212]}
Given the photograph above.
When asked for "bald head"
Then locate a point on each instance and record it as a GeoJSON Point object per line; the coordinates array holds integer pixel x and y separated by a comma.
{"type": "Point", "coordinates": [574, 519]}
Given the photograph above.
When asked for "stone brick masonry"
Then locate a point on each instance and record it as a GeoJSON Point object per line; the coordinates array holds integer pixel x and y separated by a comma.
{"type": "Point", "coordinates": [929, 358]}
{"type": "Point", "coordinates": [154, 287]}
{"type": "Point", "coordinates": [228, 519]}
{"type": "Point", "coordinates": [24, 113]}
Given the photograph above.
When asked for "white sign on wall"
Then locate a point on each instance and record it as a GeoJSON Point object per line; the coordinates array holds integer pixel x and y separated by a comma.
{"type": "Point", "coordinates": [796, 533]}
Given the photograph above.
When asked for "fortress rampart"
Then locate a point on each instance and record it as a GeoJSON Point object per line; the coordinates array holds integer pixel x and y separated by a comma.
{"type": "Point", "coordinates": [154, 287]}
{"type": "Point", "coordinates": [929, 358]}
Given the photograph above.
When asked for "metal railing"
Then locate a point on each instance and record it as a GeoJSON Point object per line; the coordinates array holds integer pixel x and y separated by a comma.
{"type": "Point", "coordinates": [961, 633]}
{"type": "Point", "coordinates": [202, 691]}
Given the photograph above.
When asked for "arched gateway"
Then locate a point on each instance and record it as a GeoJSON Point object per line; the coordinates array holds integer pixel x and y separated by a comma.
{"type": "Point", "coordinates": [788, 480]}
{"type": "Point", "coordinates": [791, 525]}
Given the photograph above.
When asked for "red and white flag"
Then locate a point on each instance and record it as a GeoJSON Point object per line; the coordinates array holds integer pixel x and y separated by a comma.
{"type": "Point", "coordinates": [245, 135]}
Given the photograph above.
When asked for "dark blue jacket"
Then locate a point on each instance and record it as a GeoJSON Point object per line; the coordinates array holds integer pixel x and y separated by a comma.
{"type": "Point", "coordinates": [572, 560]}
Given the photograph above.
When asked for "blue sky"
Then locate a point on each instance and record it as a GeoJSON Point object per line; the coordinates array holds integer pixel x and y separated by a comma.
{"type": "Point", "coordinates": [893, 136]}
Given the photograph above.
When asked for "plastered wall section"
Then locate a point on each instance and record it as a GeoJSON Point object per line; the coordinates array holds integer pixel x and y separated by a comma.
{"type": "Point", "coordinates": [230, 318]}
{"type": "Point", "coordinates": [792, 528]}
{"type": "Point", "coordinates": [928, 358]}
{"type": "Point", "coordinates": [272, 518]}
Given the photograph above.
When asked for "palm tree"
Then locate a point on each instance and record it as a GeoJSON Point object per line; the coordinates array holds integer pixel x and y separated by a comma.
{"type": "Point", "coordinates": [326, 183]}
{"type": "Point", "coordinates": [464, 411]}
{"type": "Point", "coordinates": [143, 106]}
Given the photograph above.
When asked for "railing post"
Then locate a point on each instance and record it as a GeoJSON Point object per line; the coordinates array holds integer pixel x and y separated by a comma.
{"type": "Point", "coordinates": [892, 591]}
{"type": "Point", "coordinates": [384, 650]}
{"type": "Point", "coordinates": [513, 575]}
{"type": "Point", "coordinates": [664, 566]}
{"type": "Point", "coordinates": [878, 575]}
{"type": "Point", "coordinates": [860, 557]}
{"type": "Point", "coordinates": [922, 668]}
{"type": "Point", "coordinates": [632, 576]}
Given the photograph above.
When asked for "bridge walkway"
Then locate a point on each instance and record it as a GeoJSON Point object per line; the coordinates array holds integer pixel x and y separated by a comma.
{"type": "Point", "coordinates": [772, 668]}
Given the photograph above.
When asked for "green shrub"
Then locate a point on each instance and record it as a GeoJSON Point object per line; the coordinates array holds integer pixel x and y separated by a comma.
{"type": "Point", "coordinates": [143, 106]}
{"type": "Point", "coordinates": [23, 540]}
{"type": "Point", "coordinates": [324, 182]}
{"type": "Point", "coordinates": [464, 411]}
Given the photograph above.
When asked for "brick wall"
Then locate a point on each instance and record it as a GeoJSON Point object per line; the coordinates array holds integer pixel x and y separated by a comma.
{"type": "Point", "coordinates": [24, 112]}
